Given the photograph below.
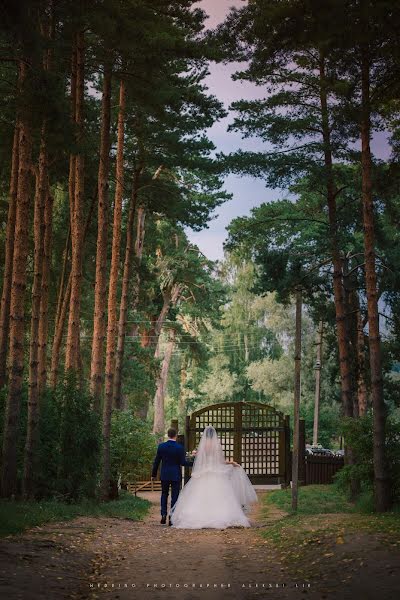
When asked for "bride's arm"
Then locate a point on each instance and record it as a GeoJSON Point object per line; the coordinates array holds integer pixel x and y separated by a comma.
{"type": "Point", "coordinates": [232, 462]}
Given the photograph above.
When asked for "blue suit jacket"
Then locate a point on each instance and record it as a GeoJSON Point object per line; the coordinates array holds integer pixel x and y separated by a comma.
{"type": "Point", "coordinates": [172, 458]}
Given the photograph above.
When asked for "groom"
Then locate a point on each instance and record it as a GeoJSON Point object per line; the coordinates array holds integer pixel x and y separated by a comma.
{"type": "Point", "coordinates": [172, 458]}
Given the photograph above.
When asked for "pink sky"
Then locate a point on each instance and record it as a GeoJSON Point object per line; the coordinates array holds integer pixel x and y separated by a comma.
{"type": "Point", "coordinates": [247, 192]}
{"type": "Point", "coordinates": [217, 9]}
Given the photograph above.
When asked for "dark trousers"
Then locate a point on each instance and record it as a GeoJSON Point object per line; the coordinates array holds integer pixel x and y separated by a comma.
{"type": "Point", "coordinates": [175, 487]}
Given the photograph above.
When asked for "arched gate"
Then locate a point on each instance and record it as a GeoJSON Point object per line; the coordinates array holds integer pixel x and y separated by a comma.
{"type": "Point", "coordinates": [253, 434]}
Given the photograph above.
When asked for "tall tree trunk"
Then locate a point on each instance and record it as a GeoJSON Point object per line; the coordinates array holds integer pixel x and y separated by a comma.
{"type": "Point", "coordinates": [147, 334]}
{"type": "Point", "coordinates": [182, 406]}
{"type": "Point", "coordinates": [76, 203]}
{"type": "Point", "coordinates": [9, 252]}
{"type": "Point", "coordinates": [62, 309]}
{"type": "Point", "coordinates": [139, 242]}
{"type": "Point", "coordinates": [381, 478]}
{"type": "Point", "coordinates": [360, 400]}
{"type": "Point", "coordinates": [99, 321]}
{"type": "Point", "coordinates": [112, 297]}
{"type": "Point", "coordinates": [159, 398]}
{"type": "Point", "coordinates": [44, 301]}
{"type": "Point", "coordinates": [351, 328]}
{"type": "Point", "coordinates": [138, 252]}
{"type": "Point", "coordinates": [48, 29]}
{"type": "Point", "coordinates": [362, 393]}
{"type": "Point", "coordinates": [246, 348]}
{"type": "Point", "coordinates": [33, 390]}
{"type": "Point", "coordinates": [61, 291]}
{"type": "Point", "coordinates": [123, 309]}
{"type": "Point", "coordinates": [17, 308]}
{"type": "Point", "coordinates": [141, 215]}
{"type": "Point", "coordinates": [58, 335]}
{"type": "Point", "coordinates": [340, 308]}
{"type": "Point", "coordinates": [171, 297]}
{"type": "Point", "coordinates": [140, 231]}
{"type": "Point", "coordinates": [167, 295]}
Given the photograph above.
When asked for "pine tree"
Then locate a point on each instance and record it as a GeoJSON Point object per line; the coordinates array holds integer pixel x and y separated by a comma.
{"type": "Point", "coordinates": [76, 189]}
{"type": "Point", "coordinates": [290, 57]}
{"type": "Point", "coordinates": [112, 294]}
{"type": "Point", "coordinates": [99, 320]}
{"type": "Point", "coordinates": [17, 298]}
{"type": "Point", "coordinates": [7, 275]}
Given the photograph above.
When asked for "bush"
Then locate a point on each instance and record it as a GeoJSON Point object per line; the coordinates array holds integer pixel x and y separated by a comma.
{"type": "Point", "coordinates": [70, 443]}
{"type": "Point", "coordinates": [328, 422]}
{"type": "Point", "coordinates": [68, 457]}
{"type": "Point", "coordinates": [67, 460]}
{"type": "Point", "coordinates": [358, 434]}
{"type": "Point", "coordinates": [22, 423]}
{"type": "Point", "coordinates": [133, 446]}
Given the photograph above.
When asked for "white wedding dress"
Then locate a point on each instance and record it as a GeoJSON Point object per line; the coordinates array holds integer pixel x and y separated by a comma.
{"type": "Point", "coordinates": [217, 494]}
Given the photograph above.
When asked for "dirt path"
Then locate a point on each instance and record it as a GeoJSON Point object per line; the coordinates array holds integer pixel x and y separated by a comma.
{"type": "Point", "coordinates": [163, 562]}
{"type": "Point", "coordinates": [90, 558]}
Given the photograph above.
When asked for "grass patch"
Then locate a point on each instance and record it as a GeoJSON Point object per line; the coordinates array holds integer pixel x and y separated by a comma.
{"type": "Point", "coordinates": [18, 516]}
{"type": "Point", "coordinates": [303, 533]}
{"type": "Point", "coordinates": [312, 500]}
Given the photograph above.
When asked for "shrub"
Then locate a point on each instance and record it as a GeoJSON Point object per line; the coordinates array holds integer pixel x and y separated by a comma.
{"type": "Point", "coordinates": [67, 458]}
{"type": "Point", "coordinates": [70, 443]}
{"type": "Point", "coordinates": [359, 436]}
{"type": "Point", "coordinates": [133, 446]}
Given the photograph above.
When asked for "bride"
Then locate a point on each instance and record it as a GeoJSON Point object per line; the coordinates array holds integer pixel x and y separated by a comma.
{"type": "Point", "coordinates": [218, 492]}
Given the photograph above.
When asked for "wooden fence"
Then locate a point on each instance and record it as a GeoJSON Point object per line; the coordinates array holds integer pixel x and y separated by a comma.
{"type": "Point", "coordinates": [321, 469]}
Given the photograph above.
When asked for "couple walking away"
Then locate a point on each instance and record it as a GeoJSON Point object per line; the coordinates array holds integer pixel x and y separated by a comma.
{"type": "Point", "coordinates": [216, 496]}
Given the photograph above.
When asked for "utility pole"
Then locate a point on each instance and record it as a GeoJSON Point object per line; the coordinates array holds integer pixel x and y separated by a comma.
{"type": "Point", "coordinates": [297, 389]}
{"type": "Point", "coordinates": [318, 365]}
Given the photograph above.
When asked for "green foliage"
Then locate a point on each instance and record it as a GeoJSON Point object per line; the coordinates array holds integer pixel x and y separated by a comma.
{"type": "Point", "coordinates": [358, 435]}
{"type": "Point", "coordinates": [67, 460]}
{"type": "Point", "coordinates": [220, 385]}
{"type": "Point", "coordinates": [329, 420]}
{"type": "Point", "coordinates": [289, 240]}
{"type": "Point", "coordinates": [21, 428]}
{"type": "Point", "coordinates": [139, 374]}
{"type": "Point", "coordinates": [68, 457]}
{"type": "Point", "coordinates": [133, 446]}
{"type": "Point", "coordinates": [15, 517]}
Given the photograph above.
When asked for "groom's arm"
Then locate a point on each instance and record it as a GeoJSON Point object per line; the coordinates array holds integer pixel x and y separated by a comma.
{"type": "Point", "coordinates": [184, 462]}
{"type": "Point", "coordinates": [156, 463]}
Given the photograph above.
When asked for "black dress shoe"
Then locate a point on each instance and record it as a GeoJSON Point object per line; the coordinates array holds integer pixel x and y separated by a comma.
{"type": "Point", "coordinates": [163, 519]}
{"type": "Point", "coordinates": [170, 522]}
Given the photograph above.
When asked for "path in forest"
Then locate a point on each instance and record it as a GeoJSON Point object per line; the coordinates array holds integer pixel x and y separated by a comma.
{"type": "Point", "coordinates": [163, 562]}
{"type": "Point", "coordinates": [90, 558]}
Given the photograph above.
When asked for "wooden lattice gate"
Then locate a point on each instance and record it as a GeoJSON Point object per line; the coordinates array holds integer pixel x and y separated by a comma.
{"type": "Point", "coordinates": [253, 434]}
